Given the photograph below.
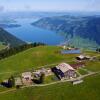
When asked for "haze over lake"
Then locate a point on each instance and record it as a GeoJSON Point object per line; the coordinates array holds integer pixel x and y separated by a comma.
{"type": "Point", "coordinates": [30, 33]}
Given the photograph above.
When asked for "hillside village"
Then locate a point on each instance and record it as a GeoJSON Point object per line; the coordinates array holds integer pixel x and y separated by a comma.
{"type": "Point", "coordinates": [73, 71]}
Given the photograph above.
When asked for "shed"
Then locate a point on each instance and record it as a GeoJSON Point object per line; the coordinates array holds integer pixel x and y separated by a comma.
{"type": "Point", "coordinates": [18, 81]}
{"type": "Point", "coordinates": [75, 82]}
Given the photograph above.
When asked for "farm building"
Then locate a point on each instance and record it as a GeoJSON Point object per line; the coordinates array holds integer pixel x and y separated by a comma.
{"type": "Point", "coordinates": [18, 81]}
{"type": "Point", "coordinates": [78, 65]}
{"type": "Point", "coordinates": [75, 82]}
{"type": "Point", "coordinates": [69, 48]}
{"type": "Point", "coordinates": [27, 75]}
{"type": "Point", "coordinates": [82, 57]}
{"type": "Point", "coordinates": [46, 71]}
{"type": "Point", "coordinates": [27, 78]}
{"type": "Point", "coordinates": [64, 70]}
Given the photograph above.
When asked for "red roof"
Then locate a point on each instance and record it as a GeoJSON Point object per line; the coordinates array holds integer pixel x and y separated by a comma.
{"type": "Point", "coordinates": [77, 65]}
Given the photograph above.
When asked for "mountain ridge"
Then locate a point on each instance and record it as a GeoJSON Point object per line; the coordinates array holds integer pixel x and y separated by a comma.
{"type": "Point", "coordinates": [83, 26]}
{"type": "Point", "coordinates": [7, 38]}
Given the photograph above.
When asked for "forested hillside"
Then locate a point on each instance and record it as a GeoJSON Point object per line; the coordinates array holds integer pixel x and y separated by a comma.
{"type": "Point", "coordinates": [87, 27]}
{"type": "Point", "coordinates": [7, 38]}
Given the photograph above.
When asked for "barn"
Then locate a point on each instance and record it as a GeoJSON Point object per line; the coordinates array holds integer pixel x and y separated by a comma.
{"type": "Point", "coordinates": [64, 70]}
{"type": "Point", "coordinates": [82, 57]}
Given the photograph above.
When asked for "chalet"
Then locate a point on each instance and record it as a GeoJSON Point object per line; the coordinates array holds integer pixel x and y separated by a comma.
{"type": "Point", "coordinates": [82, 57]}
{"type": "Point", "coordinates": [64, 70]}
{"type": "Point", "coordinates": [64, 47]}
{"type": "Point", "coordinates": [77, 65]}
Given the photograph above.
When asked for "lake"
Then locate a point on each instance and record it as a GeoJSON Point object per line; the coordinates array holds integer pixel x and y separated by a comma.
{"type": "Point", "coordinates": [30, 33]}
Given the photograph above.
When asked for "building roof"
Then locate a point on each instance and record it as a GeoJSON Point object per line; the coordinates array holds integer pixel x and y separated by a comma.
{"type": "Point", "coordinates": [27, 74]}
{"type": "Point", "coordinates": [18, 81]}
{"type": "Point", "coordinates": [64, 67]}
{"type": "Point", "coordinates": [81, 56]}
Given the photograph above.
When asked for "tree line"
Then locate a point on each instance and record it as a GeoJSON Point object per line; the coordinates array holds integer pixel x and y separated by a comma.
{"type": "Point", "coordinates": [98, 49]}
{"type": "Point", "coordinates": [14, 50]}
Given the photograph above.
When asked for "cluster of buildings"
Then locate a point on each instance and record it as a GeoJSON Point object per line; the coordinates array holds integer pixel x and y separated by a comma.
{"type": "Point", "coordinates": [62, 71]}
{"type": "Point", "coordinates": [27, 77]}
{"type": "Point", "coordinates": [69, 48]}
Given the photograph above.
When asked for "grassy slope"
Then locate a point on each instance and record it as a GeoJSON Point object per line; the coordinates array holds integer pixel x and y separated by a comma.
{"type": "Point", "coordinates": [32, 58]}
{"type": "Point", "coordinates": [35, 57]}
{"type": "Point", "coordinates": [93, 66]}
{"type": "Point", "coordinates": [1, 46]}
{"type": "Point", "coordinates": [89, 90]}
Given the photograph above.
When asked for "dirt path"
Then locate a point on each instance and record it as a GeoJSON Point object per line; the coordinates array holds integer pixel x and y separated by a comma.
{"type": "Point", "coordinates": [7, 91]}
{"type": "Point", "coordinates": [81, 77]}
{"type": "Point", "coordinates": [7, 72]}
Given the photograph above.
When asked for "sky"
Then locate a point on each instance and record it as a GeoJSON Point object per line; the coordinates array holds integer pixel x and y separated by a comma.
{"type": "Point", "coordinates": [49, 5]}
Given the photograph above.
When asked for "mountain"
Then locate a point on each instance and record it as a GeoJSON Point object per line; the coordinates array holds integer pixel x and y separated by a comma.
{"type": "Point", "coordinates": [71, 27]}
{"type": "Point", "coordinates": [7, 38]}
{"type": "Point", "coordinates": [9, 25]}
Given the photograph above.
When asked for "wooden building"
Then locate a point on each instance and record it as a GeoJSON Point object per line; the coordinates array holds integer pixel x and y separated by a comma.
{"type": "Point", "coordinates": [64, 70]}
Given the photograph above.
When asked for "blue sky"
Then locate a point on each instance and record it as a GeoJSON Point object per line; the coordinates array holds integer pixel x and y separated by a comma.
{"type": "Point", "coordinates": [49, 5]}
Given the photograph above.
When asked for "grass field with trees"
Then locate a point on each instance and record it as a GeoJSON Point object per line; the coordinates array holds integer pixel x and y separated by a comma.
{"type": "Point", "coordinates": [2, 46]}
{"type": "Point", "coordinates": [88, 90]}
{"type": "Point", "coordinates": [44, 55]}
{"type": "Point", "coordinates": [32, 58]}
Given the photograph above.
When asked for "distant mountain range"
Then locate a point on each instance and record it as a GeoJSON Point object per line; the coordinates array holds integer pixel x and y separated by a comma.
{"type": "Point", "coordinates": [82, 28]}
{"type": "Point", "coordinates": [32, 14]}
{"type": "Point", "coordinates": [7, 38]}
{"type": "Point", "coordinates": [9, 25]}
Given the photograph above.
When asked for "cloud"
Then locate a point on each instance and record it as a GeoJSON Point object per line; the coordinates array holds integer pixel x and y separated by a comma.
{"type": "Point", "coordinates": [27, 7]}
{"type": "Point", "coordinates": [2, 8]}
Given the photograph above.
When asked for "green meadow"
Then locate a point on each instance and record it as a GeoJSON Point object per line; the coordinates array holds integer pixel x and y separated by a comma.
{"type": "Point", "coordinates": [34, 58]}
{"type": "Point", "coordinates": [2, 46]}
{"type": "Point", "coordinates": [31, 59]}
{"type": "Point", "coordinates": [40, 56]}
{"type": "Point", "coordinates": [88, 90]}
